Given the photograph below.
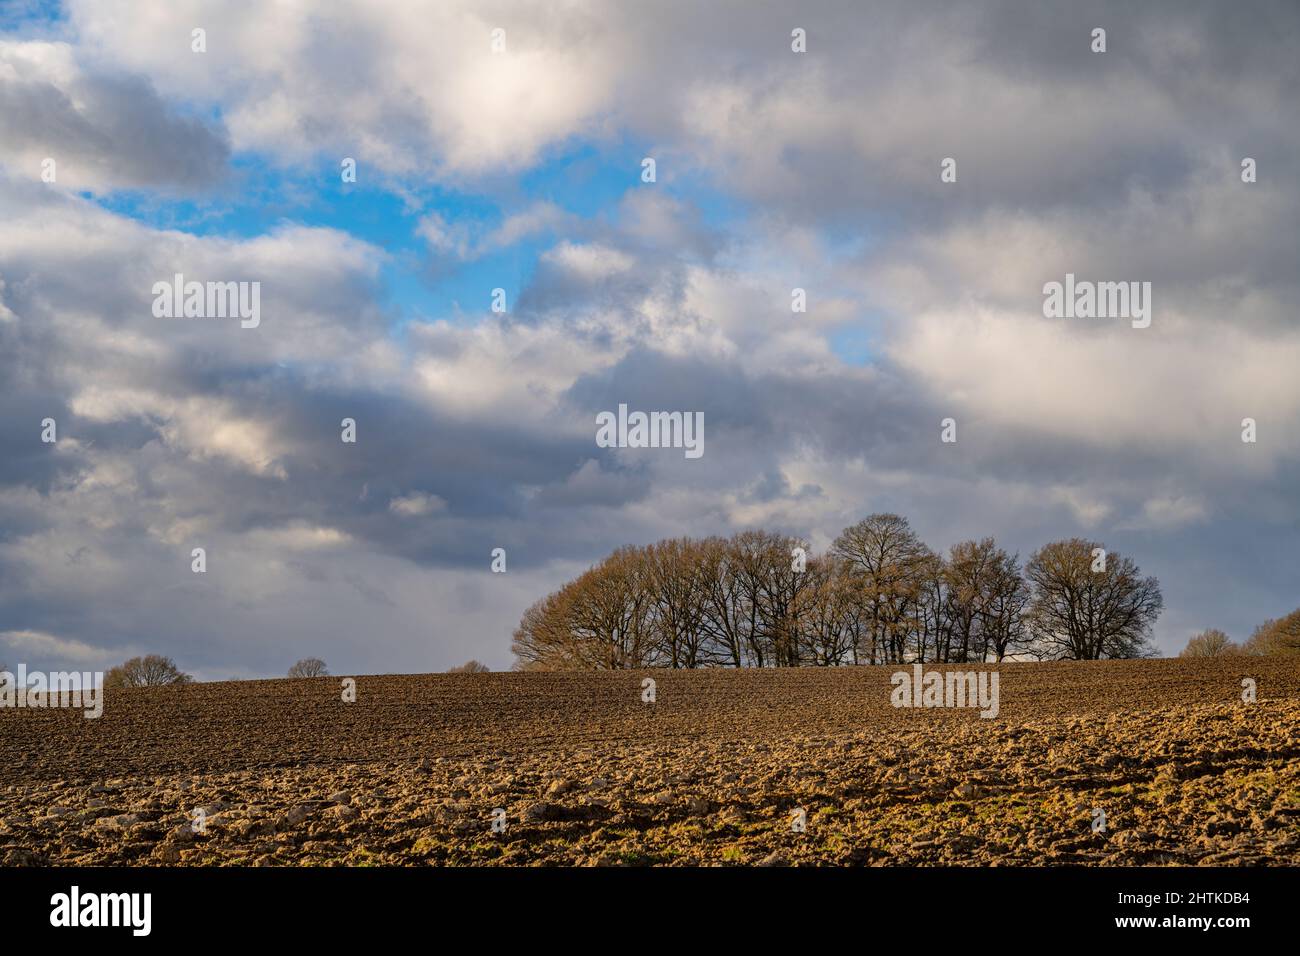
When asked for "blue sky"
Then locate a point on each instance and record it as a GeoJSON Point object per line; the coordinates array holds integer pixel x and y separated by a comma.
{"type": "Point", "coordinates": [377, 209]}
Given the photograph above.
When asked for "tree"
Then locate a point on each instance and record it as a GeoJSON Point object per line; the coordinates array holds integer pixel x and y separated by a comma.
{"type": "Point", "coordinates": [601, 620]}
{"type": "Point", "coordinates": [153, 670]}
{"type": "Point", "coordinates": [724, 609]}
{"type": "Point", "coordinates": [760, 563]}
{"type": "Point", "coordinates": [1078, 613]}
{"type": "Point", "coordinates": [970, 574]}
{"type": "Point", "coordinates": [674, 577]}
{"type": "Point", "coordinates": [933, 612]}
{"type": "Point", "coordinates": [608, 613]}
{"type": "Point", "coordinates": [781, 594]}
{"type": "Point", "coordinates": [823, 611]}
{"type": "Point", "coordinates": [1276, 637]}
{"type": "Point", "coordinates": [309, 667]}
{"type": "Point", "coordinates": [890, 565]}
{"type": "Point", "coordinates": [470, 667]}
{"type": "Point", "coordinates": [543, 640]}
{"type": "Point", "coordinates": [1004, 626]}
{"type": "Point", "coordinates": [1210, 643]}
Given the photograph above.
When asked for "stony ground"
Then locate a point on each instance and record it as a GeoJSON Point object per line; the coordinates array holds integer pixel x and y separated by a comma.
{"type": "Point", "coordinates": [713, 772]}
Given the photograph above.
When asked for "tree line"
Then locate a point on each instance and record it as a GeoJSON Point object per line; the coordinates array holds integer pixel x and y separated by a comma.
{"type": "Point", "coordinates": [1274, 636]}
{"type": "Point", "coordinates": [880, 595]}
{"type": "Point", "coordinates": [155, 670]}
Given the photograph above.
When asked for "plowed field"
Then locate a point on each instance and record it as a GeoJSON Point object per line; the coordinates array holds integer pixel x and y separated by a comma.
{"type": "Point", "coordinates": [576, 768]}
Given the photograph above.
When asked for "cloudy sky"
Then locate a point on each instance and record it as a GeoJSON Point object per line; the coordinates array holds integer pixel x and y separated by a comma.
{"type": "Point", "coordinates": [521, 169]}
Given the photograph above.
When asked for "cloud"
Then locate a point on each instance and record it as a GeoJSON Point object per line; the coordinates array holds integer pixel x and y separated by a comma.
{"type": "Point", "coordinates": [588, 263]}
{"type": "Point", "coordinates": [53, 647]}
{"type": "Point", "coordinates": [416, 505]}
{"type": "Point", "coordinates": [476, 431]}
{"type": "Point", "coordinates": [399, 86]}
{"type": "Point", "coordinates": [1167, 513]}
{"type": "Point", "coordinates": [102, 130]}
{"type": "Point", "coordinates": [463, 243]}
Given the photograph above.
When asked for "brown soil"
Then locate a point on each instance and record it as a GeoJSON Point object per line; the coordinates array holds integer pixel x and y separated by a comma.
{"type": "Point", "coordinates": [711, 773]}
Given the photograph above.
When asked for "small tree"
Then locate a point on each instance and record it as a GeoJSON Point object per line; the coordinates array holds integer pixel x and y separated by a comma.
{"type": "Point", "coordinates": [471, 667]}
{"type": "Point", "coordinates": [309, 667]}
{"type": "Point", "coordinates": [153, 670]}
{"type": "Point", "coordinates": [1210, 643]}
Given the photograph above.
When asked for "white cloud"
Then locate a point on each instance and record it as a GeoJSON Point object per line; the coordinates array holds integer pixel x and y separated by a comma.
{"type": "Point", "coordinates": [298, 537]}
{"type": "Point", "coordinates": [1174, 386]}
{"type": "Point", "coordinates": [200, 426]}
{"type": "Point", "coordinates": [42, 645]}
{"type": "Point", "coordinates": [461, 242]}
{"type": "Point", "coordinates": [1172, 513]}
{"type": "Point", "coordinates": [589, 262]}
{"type": "Point", "coordinates": [415, 505]}
{"type": "Point", "coordinates": [399, 86]}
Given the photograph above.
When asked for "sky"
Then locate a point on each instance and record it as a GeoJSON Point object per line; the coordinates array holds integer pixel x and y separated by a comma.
{"type": "Point", "coordinates": [514, 161]}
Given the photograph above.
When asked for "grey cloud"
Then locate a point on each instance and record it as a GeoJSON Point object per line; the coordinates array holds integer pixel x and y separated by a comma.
{"type": "Point", "coordinates": [104, 130]}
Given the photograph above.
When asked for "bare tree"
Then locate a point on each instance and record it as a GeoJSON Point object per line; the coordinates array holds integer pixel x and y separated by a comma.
{"type": "Point", "coordinates": [725, 610]}
{"type": "Point", "coordinates": [932, 612]}
{"type": "Point", "coordinates": [153, 670]}
{"type": "Point", "coordinates": [606, 615]}
{"type": "Point", "coordinates": [1276, 637]}
{"type": "Point", "coordinates": [309, 667]}
{"type": "Point", "coordinates": [674, 575]}
{"type": "Point", "coordinates": [784, 589]}
{"type": "Point", "coordinates": [986, 598]}
{"type": "Point", "coordinates": [970, 573]}
{"type": "Point", "coordinates": [470, 667]}
{"type": "Point", "coordinates": [890, 564]}
{"type": "Point", "coordinates": [1004, 626]}
{"type": "Point", "coordinates": [756, 560]}
{"type": "Point", "coordinates": [543, 640]}
{"type": "Point", "coordinates": [1210, 643]}
{"type": "Point", "coordinates": [823, 609]}
{"type": "Point", "coordinates": [1078, 613]}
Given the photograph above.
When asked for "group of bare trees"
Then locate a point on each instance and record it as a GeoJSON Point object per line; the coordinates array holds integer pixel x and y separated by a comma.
{"type": "Point", "coordinates": [878, 596]}
{"type": "Point", "coordinates": [1281, 636]}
